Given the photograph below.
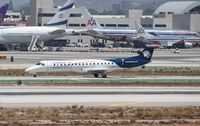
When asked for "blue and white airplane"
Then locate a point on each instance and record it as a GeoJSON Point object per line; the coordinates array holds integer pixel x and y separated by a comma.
{"type": "Point", "coordinates": [93, 66]}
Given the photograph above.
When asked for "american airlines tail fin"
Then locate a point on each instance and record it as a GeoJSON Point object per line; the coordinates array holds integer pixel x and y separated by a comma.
{"type": "Point", "coordinates": [3, 10]}
{"type": "Point", "coordinates": [60, 19]}
{"type": "Point", "coordinates": [91, 22]}
{"type": "Point", "coordinates": [141, 31]}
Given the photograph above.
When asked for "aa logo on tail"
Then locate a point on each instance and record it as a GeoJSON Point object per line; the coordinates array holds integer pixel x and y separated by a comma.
{"type": "Point", "coordinates": [91, 22]}
{"type": "Point", "coordinates": [141, 31]}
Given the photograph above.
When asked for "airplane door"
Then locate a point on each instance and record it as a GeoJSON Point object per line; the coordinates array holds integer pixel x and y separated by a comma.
{"type": "Point", "coordinates": [122, 62]}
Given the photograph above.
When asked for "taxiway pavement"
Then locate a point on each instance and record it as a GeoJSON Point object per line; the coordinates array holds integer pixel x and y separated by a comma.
{"type": "Point", "coordinates": [24, 96]}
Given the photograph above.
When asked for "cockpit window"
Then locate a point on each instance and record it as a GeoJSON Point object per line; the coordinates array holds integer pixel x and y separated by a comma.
{"type": "Point", "coordinates": [40, 64]}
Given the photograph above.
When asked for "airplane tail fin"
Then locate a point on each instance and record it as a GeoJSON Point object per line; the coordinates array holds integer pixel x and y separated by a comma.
{"type": "Point", "coordinates": [3, 10]}
{"type": "Point", "coordinates": [141, 31]}
{"type": "Point", "coordinates": [139, 28]}
{"type": "Point", "coordinates": [90, 21]}
{"type": "Point", "coordinates": [146, 53]}
{"type": "Point", "coordinates": [61, 18]}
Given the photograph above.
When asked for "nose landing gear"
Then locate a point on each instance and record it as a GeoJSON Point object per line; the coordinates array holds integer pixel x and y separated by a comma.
{"type": "Point", "coordinates": [96, 75]}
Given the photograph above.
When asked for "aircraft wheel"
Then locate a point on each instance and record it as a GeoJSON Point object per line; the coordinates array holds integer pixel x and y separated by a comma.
{"type": "Point", "coordinates": [96, 75]}
{"type": "Point", "coordinates": [104, 75]}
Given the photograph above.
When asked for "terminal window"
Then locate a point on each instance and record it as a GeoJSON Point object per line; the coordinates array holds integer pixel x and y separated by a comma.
{"type": "Point", "coordinates": [74, 25]}
{"type": "Point", "coordinates": [46, 14]}
{"type": "Point", "coordinates": [111, 25]}
{"type": "Point", "coordinates": [15, 16]}
{"type": "Point", "coordinates": [160, 25]}
{"type": "Point", "coordinates": [75, 15]}
{"type": "Point", "coordinates": [83, 25]}
{"type": "Point", "coordinates": [123, 25]}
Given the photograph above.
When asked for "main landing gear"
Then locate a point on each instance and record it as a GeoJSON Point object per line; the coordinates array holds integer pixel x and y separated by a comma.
{"type": "Point", "coordinates": [96, 75]}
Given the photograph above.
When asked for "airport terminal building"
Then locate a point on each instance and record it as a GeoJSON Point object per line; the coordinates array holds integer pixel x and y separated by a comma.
{"type": "Point", "coordinates": [180, 15]}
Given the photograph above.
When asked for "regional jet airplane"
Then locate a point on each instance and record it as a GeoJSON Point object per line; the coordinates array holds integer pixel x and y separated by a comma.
{"type": "Point", "coordinates": [93, 66]}
{"type": "Point", "coordinates": [36, 34]}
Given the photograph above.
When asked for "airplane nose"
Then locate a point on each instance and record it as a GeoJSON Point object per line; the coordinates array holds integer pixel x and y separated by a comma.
{"type": "Point", "coordinates": [31, 70]}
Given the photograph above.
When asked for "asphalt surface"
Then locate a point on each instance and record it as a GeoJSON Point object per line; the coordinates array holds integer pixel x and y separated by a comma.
{"type": "Point", "coordinates": [99, 96]}
{"type": "Point", "coordinates": [163, 57]}
{"type": "Point", "coordinates": [23, 96]}
{"type": "Point", "coordinates": [113, 79]}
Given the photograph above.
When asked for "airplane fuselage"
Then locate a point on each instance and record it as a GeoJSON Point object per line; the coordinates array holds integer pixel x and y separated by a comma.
{"type": "Point", "coordinates": [161, 35]}
{"type": "Point", "coordinates": [25, 34]}
{"type": "Point", "coordinates": [85, 66]}
{"type": "Point", "coordinates": [93, 66]}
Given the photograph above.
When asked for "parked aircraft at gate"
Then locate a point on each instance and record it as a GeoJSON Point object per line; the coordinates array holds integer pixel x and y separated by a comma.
{"type": "Point", "coordinates": [187, 41]}
{"type": "Point", "coordinates": [33, 34]}
{"type": "Point", "coordinates": [97, 31]}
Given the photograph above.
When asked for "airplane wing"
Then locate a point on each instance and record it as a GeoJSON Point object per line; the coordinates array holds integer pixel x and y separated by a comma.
{"type": "Point", "coordinates": [99, 35]}
{"type": "Point", "coordinates": [95, 70]}
{"type": "Point", "coordinates": [57, 32]}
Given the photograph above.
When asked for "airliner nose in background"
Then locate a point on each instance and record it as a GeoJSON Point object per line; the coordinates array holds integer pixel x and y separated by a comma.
{"type": "Point", "coordinates": [93, 66]}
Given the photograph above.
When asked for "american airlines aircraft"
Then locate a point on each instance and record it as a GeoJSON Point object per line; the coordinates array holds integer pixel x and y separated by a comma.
{"type": "Point", "coordinates": [93, 66]}
{"type": "Point", "coordinates": [187, 41]}
{"type": "Point", "coordinates": [97, 31]}
{"type": "Point", "coordinates": [36, 34]}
